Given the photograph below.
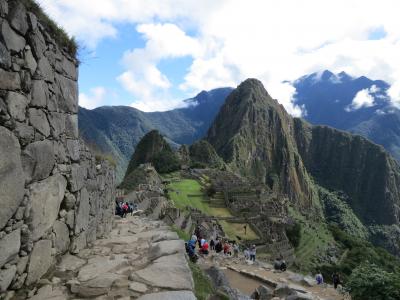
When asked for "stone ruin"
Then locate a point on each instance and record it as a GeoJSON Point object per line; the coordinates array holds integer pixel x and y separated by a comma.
{"type": "Point", "coordinates": [261, 207]}
{"type": "Point", "coordinates": [54, 196]}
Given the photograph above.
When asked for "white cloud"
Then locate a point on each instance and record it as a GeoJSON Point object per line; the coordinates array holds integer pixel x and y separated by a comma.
{"type": "Point", "coordinates": [142, 77]}
{"type": "Point", "coordinates": [94, 99]}
{"type": "Point", "coordinates": [364, 98]}
{"type": "Point", "coordinates": [233, 40]}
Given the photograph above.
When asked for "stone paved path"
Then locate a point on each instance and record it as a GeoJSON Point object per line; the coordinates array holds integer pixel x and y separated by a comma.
{"type": "Point", "coordinates": [141, 259]}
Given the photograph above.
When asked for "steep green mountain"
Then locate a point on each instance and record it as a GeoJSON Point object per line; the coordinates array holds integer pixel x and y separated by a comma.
{"type": "Point", "coordinates": [256, 137]}
{"type": "Point", "coordinates": [253, 134]}
{"type": "Point", "coordinates": [154, 149]}
{"type": "Point", "coordinates": [117, 130]}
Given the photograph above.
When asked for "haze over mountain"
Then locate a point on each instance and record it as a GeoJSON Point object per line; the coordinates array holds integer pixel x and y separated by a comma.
{"type": "Point", "coordinates": [359, 105]}
{"type": "Point", "coordinates": [117, 129]}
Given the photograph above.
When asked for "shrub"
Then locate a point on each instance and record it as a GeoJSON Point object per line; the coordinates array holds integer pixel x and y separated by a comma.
{"type": "Point", "coordinates": [368, 281]}
{"type": "Point", "coordinates": [294, 234]}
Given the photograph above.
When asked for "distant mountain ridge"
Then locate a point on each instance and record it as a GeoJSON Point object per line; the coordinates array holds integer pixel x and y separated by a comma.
{"type": "Point", "coordinates": [117, 129]}
{"type": "Point", "coordinates": [327, 99]}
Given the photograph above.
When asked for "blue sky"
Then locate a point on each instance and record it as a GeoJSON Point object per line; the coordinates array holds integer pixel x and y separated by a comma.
{"type": "Point", "coordinates": [153, 54]}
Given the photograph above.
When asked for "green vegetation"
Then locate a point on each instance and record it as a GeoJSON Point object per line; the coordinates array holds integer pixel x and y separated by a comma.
{"type": "Point", "coordinates": [315, 238]}
{"type": "Point", "coordinates": [369, 281]}
{"type": "Point", "coordinates": [357, 251]}
{"type": "Point", "coordinates": [55, 31]}
{"type": "Point", "coordinates": [202, 284]}
{"type": "Point", "coordinates": [153, 149]}
{"type": "Point", "coordinates": [188, 192]}
{"type": "Point", "coordinates": [339, 213]}
{"type": "Point", "coordinates": [294, 234]}
{"type": "Point", "coordinates": [181, 233]}
{"type": "Point", "coordinates": [166, 161]}
{"type": "Point", "coordinates": [234, 230]}
{"type": "Point", "coordinates": [202, 155]}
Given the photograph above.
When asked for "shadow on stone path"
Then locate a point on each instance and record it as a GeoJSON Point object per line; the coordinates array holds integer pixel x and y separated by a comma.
{"type": "Point", "coordinates": [141, 259]}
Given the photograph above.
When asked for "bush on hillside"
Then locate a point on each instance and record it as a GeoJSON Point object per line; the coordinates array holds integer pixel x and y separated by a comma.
{"type": "Point", "coordinates": [294, 234]}
{"type": "Point", "coordinates": [166, 162]}
{"type": "Point", "coordinates": [357, 252]}
{"type": "Point", "coordinates": [369, 281]}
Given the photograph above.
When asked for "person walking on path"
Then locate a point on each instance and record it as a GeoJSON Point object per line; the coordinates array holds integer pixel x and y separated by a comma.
{"type": "Point", "coordinates": [253, 251]}
{"type": "Point", "coordinates": [336, 280]}
{"type": "Point", "coordinates": [212, 245]}
{"type": "Point", "coordinates": [319, 278]}
{"type": "Point", "coordinates": [235, 250]}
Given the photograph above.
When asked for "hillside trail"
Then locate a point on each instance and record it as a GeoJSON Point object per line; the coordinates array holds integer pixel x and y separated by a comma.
{"type": "Point", "coordinates": [246, 277]}
{"type": "Point", "coordinates": [140, 259]}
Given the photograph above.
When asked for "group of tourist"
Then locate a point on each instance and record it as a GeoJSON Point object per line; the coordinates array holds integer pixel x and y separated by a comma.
{"type": "Point", "coordinates": [122, 209]}
{"type": "Point", "coordinates": [219, 245]}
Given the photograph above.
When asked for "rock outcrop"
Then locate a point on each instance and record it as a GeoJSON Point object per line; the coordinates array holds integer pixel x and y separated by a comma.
{"type": "Point", "coordinates": [54, 196]}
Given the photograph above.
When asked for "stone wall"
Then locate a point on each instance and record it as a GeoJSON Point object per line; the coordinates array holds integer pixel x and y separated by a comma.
{"type": "Point", "coordinates": [54, 196]}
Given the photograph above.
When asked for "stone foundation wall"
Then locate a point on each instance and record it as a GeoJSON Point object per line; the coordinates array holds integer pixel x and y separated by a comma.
{"type": "Point", "coordinates": [54, 196]}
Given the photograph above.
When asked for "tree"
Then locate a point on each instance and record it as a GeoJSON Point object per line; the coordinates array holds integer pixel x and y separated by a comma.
{"type": "Point", "coordinates": [368, 281]}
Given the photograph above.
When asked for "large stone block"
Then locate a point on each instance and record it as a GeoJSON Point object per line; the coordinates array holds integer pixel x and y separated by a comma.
{"type": "Point", "coordinates": [9, 80]}
{"type": "Point", "coordinates": [18, 18]}
{"type": "Point", "coordinates": [46, 197]}
{"type": "Point", "coordinates": [25, 133]}
{"type": "Point", "coordinates": [12, 181]}
{"type": "Point", "coordinates": [9, 246]}
{"type": "Point", "coordinates": [38, 119]}
{"type": "Point", "coordinates": [39, 93]}
{"type": "Point", "coordinates": [17, 105]}
{"type": "Point", "coordinates": [57, 123]}
{"type": "Point", "coordinates": [14, 42]}
{"type": "Point", "coordinates": [82, 214]}
{"type": "Point", "coordinates": [45, 69]}
{"type": "Point", "coordinates": [6, 277]}
{"type": "Point", "coordinates": [5, 57]}
{"type": "Point", "coordinates": [69, 68]}
{"type": "Point", "coordinates": [40, 262]}
{"type": "Point", "coordinates": [30, 61]}
{"type": "Point", "coordinates": [38, 160]}
{"type": "Point", "coordinates": [61, 241]}
{"type": "Point", "coordinates": [68, 98]}
{"type": "Point", "coordinates": [73, 149]}
{"type": "Point", "coordinates": [77, 177]}
{"type": "Point", "coordinates": [37, 42]}
{"type": "Point", "coordinates": [3, 8]}
{"type": "Point", "coordinates": [71, 126]}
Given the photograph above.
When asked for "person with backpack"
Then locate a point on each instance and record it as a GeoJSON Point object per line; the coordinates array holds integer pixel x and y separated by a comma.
{"type": "Point", "coordinates": [204, 248]}
{"type": "Point", "coordinates": [125, 209]}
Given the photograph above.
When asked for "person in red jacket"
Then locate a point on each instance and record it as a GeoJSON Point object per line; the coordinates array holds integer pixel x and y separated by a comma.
{"type": "Point", "coordinates": [204, 248]}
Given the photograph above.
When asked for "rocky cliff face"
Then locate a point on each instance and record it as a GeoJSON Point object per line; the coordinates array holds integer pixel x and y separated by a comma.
{"type": "Point", "coordinates": [354, 165]}
{"type": "Point", "coordinates": [253, 134]}
{"type": "Point", "coordinates": [54, 196]}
